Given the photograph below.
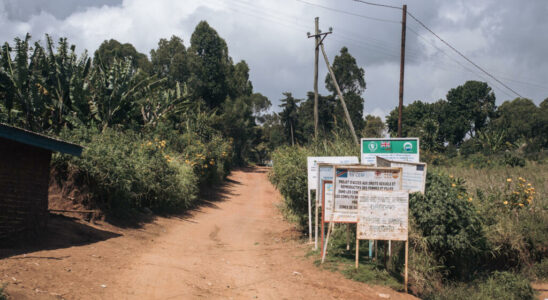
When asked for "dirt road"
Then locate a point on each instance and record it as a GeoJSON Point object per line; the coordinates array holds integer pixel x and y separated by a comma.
{"type": "Point", "coordinates": [237, 247]}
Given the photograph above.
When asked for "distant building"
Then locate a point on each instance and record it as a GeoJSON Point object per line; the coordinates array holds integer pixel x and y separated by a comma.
{"type": "Point", "coordinates": [24, 178]}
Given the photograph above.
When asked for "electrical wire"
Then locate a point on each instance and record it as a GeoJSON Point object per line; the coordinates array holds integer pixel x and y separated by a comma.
{"type": "Point", "coordinates": [462, 55]}
{"type": "Point", "coordinates": [349, 13]}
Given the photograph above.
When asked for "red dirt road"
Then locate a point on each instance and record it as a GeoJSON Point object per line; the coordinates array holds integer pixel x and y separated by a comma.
{"type": "Point", "coordinates": [237, 247]}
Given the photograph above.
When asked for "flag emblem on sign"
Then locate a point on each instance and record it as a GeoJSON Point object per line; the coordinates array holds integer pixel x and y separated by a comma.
{"type": "Point", "coordinates": [342, 173]}
{"type": "Point", "coordinates": [385, 145]}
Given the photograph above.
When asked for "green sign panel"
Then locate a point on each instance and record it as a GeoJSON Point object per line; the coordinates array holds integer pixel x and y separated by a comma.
{"type": "Point", "coordinates": [398, 149]}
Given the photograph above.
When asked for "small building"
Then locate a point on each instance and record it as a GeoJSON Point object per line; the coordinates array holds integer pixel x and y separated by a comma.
{"type": "Point", "coordinates": [25, 158]}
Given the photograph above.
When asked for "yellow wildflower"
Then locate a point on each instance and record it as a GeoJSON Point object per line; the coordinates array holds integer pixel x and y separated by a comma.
{"type": "Point", "coordinates": [521, 178]}
{"type": "Point", "coordinates": [521, 204]}
{"type": "Point", "coordinates": [450, 176]}
{"type": "Point", "coordinates": [505, 202]}
{"type": "Point", "coordinates": [509, 180]}
{"type": "Point", "coordinates": [186, 161]}
{"type": "Point", "coordinates": [205, 166]}
{"type": "Point", "coordinates": [528, 184]}
{"type": "Point", "coordinates": [453, 185]}
{"type": "Point", "coordinates": [470, 199]}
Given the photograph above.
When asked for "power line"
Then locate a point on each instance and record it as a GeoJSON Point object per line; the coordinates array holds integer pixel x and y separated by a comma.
{"type": "Point", "coordinates": [462, 55]}
{"type": "Point", "coordinates": [454, 60]}
{"type": "Point", "coordinates": [378, 4]}
{"type": "Point", "coordinates": [349, 13]}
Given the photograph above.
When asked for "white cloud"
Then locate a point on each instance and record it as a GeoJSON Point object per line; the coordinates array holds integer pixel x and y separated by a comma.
{"type": "Point", "coordinates": [502, 36]}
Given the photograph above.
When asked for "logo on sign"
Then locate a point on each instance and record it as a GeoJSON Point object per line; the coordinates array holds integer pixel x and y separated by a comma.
{"type": "Point", "coordinates": [342, 173]}
{"type": "Point", "coordinates": [407, 147]}
{"type": "Point", "coordinates": [372, 146]}
{"type": "Point", "coordinates": [385, 145]}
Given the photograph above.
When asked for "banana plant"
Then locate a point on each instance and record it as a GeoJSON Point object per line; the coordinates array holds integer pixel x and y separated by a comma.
{"type": "Point", "coordinates": [116, 88]}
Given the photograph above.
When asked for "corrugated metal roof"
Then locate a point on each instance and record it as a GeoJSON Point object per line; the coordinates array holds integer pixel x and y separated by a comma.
{"type": "Point", "coordinates": [38, 140]}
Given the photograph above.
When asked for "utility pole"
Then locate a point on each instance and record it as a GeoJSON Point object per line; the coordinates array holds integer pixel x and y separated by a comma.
{"type": "Point", "coordinates": [402, 66]}
{"type": "Point", "coordinates": [316, 56]}
{"type": "Point", "coordinates": [320, 37]}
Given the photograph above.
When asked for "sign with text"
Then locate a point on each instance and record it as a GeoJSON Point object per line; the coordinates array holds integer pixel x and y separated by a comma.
{"type": "Point", "coordinates": [398, 149]}
{"type": "Point", "coordinates": [383, 215]}
{"type": "Point", "coordinates": [312, 166]}
{"type": "Point", "coordinates": [349, 180]}
{"type": "Point", "coordinates": [413, 176]}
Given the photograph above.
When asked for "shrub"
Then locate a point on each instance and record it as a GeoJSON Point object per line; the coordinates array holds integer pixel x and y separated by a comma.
{"type": "Point", "coordinates": [125, 172]}
{"type": "Point", "coordinates": [500, 285]}
{"type": "Point", "coordinates": [289, 175]}
{"type": "Point", "coordinates": [446, 218]}
{"type": "Point", "coordinates": [513, 160]}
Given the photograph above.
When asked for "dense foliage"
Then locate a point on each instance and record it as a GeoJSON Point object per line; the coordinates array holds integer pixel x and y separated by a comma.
{"type": "Point", "coordinates": [153, 131]}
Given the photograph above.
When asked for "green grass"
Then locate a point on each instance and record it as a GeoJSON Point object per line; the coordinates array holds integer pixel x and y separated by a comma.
{"type": "Point", "coordinates": [338, 259]}
{"type": "Point", "coordinates": [493, 179]}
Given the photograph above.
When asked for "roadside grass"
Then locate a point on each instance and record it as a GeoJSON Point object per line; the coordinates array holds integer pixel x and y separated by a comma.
{"type": "Point", "coordinates": [493, 179]}
{"type": "Point", "coordinates": [477, 233]}
{"type": "Point", "coordinates": [370, 271]}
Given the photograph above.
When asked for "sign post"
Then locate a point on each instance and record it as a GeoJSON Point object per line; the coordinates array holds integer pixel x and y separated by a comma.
{"type": "Point", "coordinates": [347, 182]}
{"type": "Point", "coordinates": [312, 168]}
{"type": "Point", "coordinates": [383, 215]}
{"type": "Point", "coordinates": [399, 149]}
{"type": "Point", "coordinates": [413, 176]}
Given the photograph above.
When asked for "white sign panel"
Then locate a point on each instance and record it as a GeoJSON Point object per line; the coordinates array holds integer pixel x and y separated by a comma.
{"type": "Point", "coordinates": [312, 165]}
{"type": "Point", "coordinates": [414, 174]}
{"type": "Point", "coordinates": [383, 215]}
{"type": "Point", "coordinates": [399, 149]}
{"type": "Point", "coordinates": [350, 180]}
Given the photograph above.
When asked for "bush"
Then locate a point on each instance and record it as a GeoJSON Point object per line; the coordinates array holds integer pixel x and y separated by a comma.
{"type": "Point", "coordinates": [447, 220]}
{"type": "Point", "coordinates": [289, 175]}
{"type": "Point", "coordinates": [500, 285]}
{"type": "Point", "coordinates": [513, 160]}
{"type": "Point", "coordinates": [125, 172]}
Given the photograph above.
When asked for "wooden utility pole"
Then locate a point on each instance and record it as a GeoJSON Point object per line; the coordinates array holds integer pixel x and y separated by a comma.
{"type": "Point", "coordinates": [402, 65]}
{"type": "Point", "coordinates": [316, 56]}
{"type": "Point", "coordinates": [348, 120]}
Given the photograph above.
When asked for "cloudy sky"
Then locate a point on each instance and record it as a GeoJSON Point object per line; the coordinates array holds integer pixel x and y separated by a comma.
{"type": "Point", "coordinates": [505, 37]}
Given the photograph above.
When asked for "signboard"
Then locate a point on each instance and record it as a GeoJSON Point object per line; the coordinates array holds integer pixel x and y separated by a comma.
{"type": "Point", "coordinates": [414, 174]}
{"type": "Point", "coordinates": [312, 165]}
{"type": "Point", "coordinates": [349, 180]}
{"type": "Point", "coordinates": [383, 215]}
{"type": "Point", "coordinates": [398, 149]}
{"type": "Point", "coordinates": [327, 200]}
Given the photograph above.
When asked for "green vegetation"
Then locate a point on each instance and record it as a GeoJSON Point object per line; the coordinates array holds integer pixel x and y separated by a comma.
{"type": "Point", "coordinates": [480, 231]}
{"type": "Point", "coordinates": [154, 132]}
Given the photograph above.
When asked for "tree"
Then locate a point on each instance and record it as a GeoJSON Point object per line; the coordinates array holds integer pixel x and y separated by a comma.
{"type": "Point", "coordinates": [289, 116]}
{"type": "Point", "coordinates": [374, 127]}
{"type": "Point", "coordinates": [351, 81]}
{"type": "Point", "coordinates": [112, 50]}
{"type": "Point", "coordinates": [349, 76]}
{"type": "Point", "coordinates": [470, 106]}
{"type": "Point", "coordinates": [238, 80]}
{"type": "Point", "coordinates": [170, 60]}
{"type": "Point", "coordinates": [209, 65]}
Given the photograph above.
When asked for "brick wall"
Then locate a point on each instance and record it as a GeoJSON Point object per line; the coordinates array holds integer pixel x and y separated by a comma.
{"type": "Point", "coordinates": [24, 179]}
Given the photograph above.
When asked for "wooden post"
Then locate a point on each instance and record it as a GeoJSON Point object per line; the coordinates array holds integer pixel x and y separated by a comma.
{"type": "Point", "coordinates": [316, 56]}
{"type": "Point", "coordinates": [329, 229]}
{"type": "Point", "coordinates": [357, 250]}
{"type": "Point", "coordinates": [348, 120]}
{"type": "Point", "coordinates": [309, 218]}
{"type": "Point", "coordinates": [406, 262]}
{"type": "Point", "coordinates": [402, 67]}
{"type": "Point", "coordinates": [347, 237]}
{"type": "Point", "coordinates": [316, 221]}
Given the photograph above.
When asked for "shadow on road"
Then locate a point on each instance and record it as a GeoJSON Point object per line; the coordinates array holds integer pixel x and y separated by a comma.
{"type": "Point", "coordinates": [61, 232]}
